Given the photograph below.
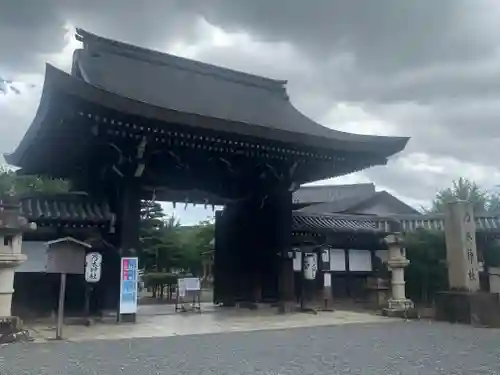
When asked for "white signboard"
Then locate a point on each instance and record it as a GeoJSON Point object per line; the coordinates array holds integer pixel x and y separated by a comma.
{"type": "Point", "coordinates": [337, 260]}
{"type": "Point", "coordinates": [360, 260]}
{"type": "Point", "coordinates": [93, 263]}
{"type": "Point", "coordinates": [297, 260]}
{"type": "Point", "coordinates": [192, 284]}
{"type": "Point", "coordinates": [128, 285]}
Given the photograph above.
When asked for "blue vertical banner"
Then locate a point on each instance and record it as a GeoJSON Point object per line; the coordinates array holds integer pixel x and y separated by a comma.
{"type": "Point", "coordinates": [128, 285]}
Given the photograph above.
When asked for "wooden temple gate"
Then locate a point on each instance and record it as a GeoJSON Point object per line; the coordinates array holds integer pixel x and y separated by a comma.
{"type": "Point", "coordinates": [129, 123]}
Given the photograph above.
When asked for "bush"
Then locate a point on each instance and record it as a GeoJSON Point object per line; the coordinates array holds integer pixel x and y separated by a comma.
{"type": "Point", "coordinates": [152, 279]}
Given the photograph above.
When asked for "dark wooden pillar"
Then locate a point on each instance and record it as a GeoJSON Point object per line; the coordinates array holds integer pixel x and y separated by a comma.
{"type": "Point", "coordinates": [278, 212]}
{"type": "Point", "coordinates": [224, 284]}
{"type": "Point", "coordinates": [128, 218]}
{"type": "Point", "coordinates": [252, 245]}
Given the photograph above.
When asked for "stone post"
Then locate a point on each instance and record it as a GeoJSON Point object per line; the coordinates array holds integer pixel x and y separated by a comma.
{"type": "Point", "coordinates": [11, 227]}
{"type": "Point", "coordinates": [464, 302]}
{"type": "Point", "coordinates": [398, 304]}
{"type": "Point", "coordinates": [461, 253]}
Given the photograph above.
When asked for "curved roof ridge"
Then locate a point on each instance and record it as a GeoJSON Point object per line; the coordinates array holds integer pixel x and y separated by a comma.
{"type": "Point", "coordinates": [91, 40]}
{"type": "Point", "coordinates": [339, 186]}
{"type": "Point", "coordinates": [327, 131]}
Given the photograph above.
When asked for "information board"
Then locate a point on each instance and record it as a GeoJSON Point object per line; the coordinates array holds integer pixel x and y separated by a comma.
{"type": "Point", "coordinates": [192, 284]}
{"type": "Point", "coordinates": [128, 285]}
{"type": "Point", "coordinates": [188, 288]}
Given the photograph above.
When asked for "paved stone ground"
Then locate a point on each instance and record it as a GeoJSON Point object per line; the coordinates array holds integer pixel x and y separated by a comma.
{"type": "Point", "coordinates": [396, 348]}
{"type": "Point", "coordinates": [230, 320]}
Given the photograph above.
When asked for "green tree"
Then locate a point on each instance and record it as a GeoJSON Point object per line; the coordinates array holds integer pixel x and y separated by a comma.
{"type": "Point", "coordinates": [427, 271]}
{"type": "Point", "coordinates": [467, 190]}
{"type": "Point", "coordinates": [462, 189]}
{"type": "Point", "coordinates": [160, 245]}
{"type": "Point", "coordinates": [12, 183]}
{"type": "Point", "coordinates": [494, 204]}
{"type": "Point", "coordinates": [195, 241]}
{"type": "Point", "coordinates": [150, 234]}
{"type": "Point", "coordinates": [170, 251]}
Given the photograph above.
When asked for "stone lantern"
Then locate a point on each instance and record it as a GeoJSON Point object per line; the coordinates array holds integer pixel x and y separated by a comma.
{"type": "Point", "coordinates": [12, 226]}
{"type": "Point", "coordinates": [398, 304]}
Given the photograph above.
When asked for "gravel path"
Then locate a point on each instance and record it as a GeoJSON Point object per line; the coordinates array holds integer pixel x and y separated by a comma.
{"type": "Point", "coordinates": [399, 348]}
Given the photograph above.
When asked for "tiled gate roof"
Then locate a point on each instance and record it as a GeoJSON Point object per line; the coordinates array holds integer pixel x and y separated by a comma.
{"type": "Point", "coordinates": [66, 210]}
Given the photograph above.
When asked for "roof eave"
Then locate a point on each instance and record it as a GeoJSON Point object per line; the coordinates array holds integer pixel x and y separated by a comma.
{"type": "Point", "coordinates": [70, 240]}
{"type": "Point", "coordinates": [59, 81]}
{"type": "Point", "coordinates": [15, 158]}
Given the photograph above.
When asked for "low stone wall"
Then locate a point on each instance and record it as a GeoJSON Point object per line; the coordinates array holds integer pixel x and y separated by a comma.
{"type": "Point", "coordinates": [479, 309]}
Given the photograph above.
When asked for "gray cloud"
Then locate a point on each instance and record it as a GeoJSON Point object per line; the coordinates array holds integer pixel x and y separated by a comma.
{"type": "Point", "coordinates": [392, 50]}
{"type": "Point", "coordinates": [423, 68]}
{"type": "Point", "coordinates": [29, 30]}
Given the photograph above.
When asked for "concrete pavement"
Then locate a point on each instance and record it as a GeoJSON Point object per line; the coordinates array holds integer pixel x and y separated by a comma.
{"type": "Point", "coordinates": [180, 324]}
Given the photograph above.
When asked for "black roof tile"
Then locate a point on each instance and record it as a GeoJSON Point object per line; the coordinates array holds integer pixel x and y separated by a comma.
{"type": "Point", "coordinates": [303, 221]}
{"type": "Point", "coordinates": [71, 209]}
{"type": "Point", "coordinates": [188, 86]}
{"type": "Point", "coordinates": [333, 223]}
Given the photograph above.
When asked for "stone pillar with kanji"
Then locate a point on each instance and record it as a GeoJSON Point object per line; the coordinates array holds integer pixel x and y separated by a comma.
{"type": "Point", "coordinates": [461, 253]}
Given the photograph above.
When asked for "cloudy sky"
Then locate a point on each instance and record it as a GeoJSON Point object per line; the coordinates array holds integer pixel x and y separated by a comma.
{"type": "Point", "coordinates": [421, 68]}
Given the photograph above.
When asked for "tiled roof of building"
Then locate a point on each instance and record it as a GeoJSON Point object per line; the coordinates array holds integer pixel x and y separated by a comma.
{"type": "Point", "coordinates": [348, 199]}
{"type": "Point", "coordinates": [332, 193]}
{"type": "Point", "coordinates": [365, 223]}
{"type": "Point", "coordinates": [71, 209]}
{"type": "Point", "coordinates": [334, 223]}
{"type": "Point", "coordinates": [409, 223]}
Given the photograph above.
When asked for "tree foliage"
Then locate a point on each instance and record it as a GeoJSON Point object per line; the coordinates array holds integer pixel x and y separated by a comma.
{"type": "Point", "coordinates": [467, 190]}
{"type": "Point", "coordinates": [196, 240]}
{"type": "Point", "coordinates": [168, 246]}
{"type": "Point", "coordinates": [160, 246]}
{"type": "Point", "coordinates": [12, 183]}
{"type": "Point", "coordinates": [427, 271]}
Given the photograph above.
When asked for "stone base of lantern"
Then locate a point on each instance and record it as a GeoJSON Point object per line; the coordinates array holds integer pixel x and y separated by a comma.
{"type": "Point", "coordinates": [9, 324]}
{"type": "Point", "coordinates": [11, 330]}
{"type": "Point", "coordinates": [400, 308]}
